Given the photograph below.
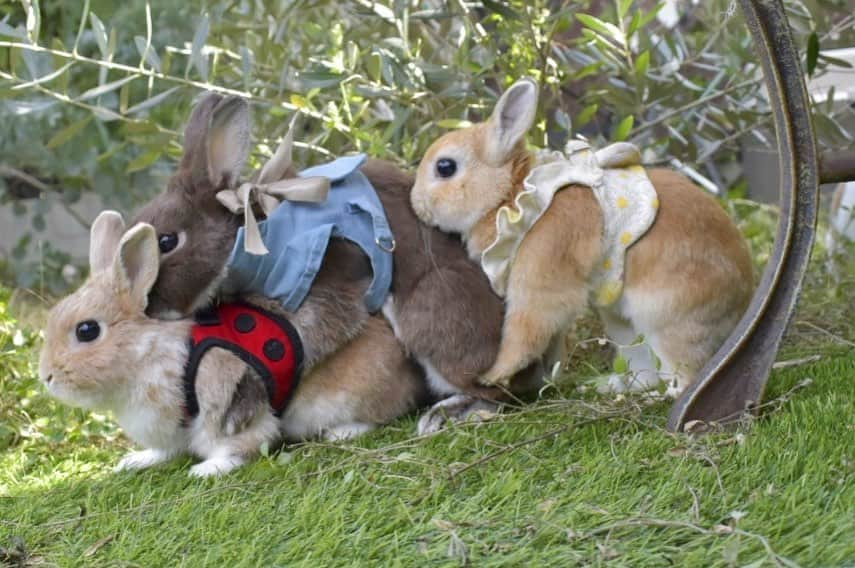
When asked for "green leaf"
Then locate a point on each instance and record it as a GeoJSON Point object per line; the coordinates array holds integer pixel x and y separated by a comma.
{"type": "Point", "coordinates": [587, 70]}
{"type": "Point", "coordinates": [812, 53]}
{"type": "Point", "coordinates": [829, 99]}
{"type": "Point", "coordinates": [620, 364]}
{"type": "Point", "coordinates": [247, 61]}
{"type": "Point", "coordinates": [111, 43]}
{"type": "Point", "coordinates": [124, 97]}
{"type": "Point", "coordinates": [67, 133]}
{"type": "Point", "coordinates": [34, 20]}
{"type": "Point", "coordinates": [320, 79]}
{"type": "Point", "coordinates": [374, 64]}
{"type": "Point", "coordinates": [100, 34]}
{"type": "Point", "coordinates": [605, 29]}
{"type": "Point", "coordinates": [831, 127]}
{"type": "Point", "coordinates": [147, 52]}
{"type": "Point", "coordinates": [650, 16]}
{"type": "Point", "coordinates": [383, 12]}
{"type": "Point", "coordinates": [152, 102]}
{"type": "Point", "coordinates": [563, 120]}
{"type": "Point", "coordinates": [142, 161]}
{"type": "Point", "coordinates": [642, 63]}
{"type": "Point", "coordinates": [623, 129]}
{"type": "Point", "coordinates": [197, 59]}
{"type": "Point", "coordinates": [587, 114]}
{"type": "Point", "coordinates": [623, 8]}
{"type": "Point", "coordinates": [105, 115]}
{"type": "Point", "coordinates": [835, 61]}
{"type": "Point", "coordinates": [351, 55]}
{"type": "Point", "coordinates": [502, 8]}
{"type": "Point", "coordinates": [634, 24]}
{"type": "Point", "coordinates": [44, 78]}
{"type": "Point", "coordinates": [111, 150]}
{"type": "Point", "coordinates": [22, 107]}
{"type": "Point", "coordinates": [106, 88]}
{"type": "Point", "coordinates": [38, 64]}
{"type": "Point", "coordinates": [453, 123]}
{"type": "Point", "coordinates": [7, 30]}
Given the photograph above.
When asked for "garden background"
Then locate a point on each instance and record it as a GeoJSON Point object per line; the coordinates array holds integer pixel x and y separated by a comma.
{"type": "Point", "coordinates": [93, 96]}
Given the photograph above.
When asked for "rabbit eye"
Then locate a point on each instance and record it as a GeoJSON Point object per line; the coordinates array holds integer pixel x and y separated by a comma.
{"type": "Point", "coordinates": [87, 331]}
{"type": "Point", "coordinates": [446, 167]}
{"type": "Point", "coordinates": [167, 242]}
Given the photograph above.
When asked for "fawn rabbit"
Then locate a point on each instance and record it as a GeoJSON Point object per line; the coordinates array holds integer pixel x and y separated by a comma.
{"type": "Point", "coordinates": [442, 307]}
{"type": "Point", "coordinates": [686, 276]}
{"type": "Point", "coordinates": [103, 352]}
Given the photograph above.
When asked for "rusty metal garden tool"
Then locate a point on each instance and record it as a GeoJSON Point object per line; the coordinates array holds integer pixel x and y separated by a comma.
{"type": "Point", "coordinates": [733, 381]}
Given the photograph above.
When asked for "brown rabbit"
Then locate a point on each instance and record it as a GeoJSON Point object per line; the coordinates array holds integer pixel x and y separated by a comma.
{"type": "Point", "coordinates": [687, 279]}
{"type": "Point", "coordinates": [196, 235]}
{"type": "Point", "coordinates": [444, 311]}
{"type": "Point", "coordinates": [442, 308]}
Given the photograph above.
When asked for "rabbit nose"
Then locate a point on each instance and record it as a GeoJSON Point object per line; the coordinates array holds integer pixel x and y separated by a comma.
{"type": "Point", "coordinates": [45, 373]}
{"type": "Point", "coordinates": [420, 209]}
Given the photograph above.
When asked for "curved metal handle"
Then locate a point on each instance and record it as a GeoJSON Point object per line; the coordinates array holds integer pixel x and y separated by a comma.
{"type": "Point", "coordinates": [734, 380]}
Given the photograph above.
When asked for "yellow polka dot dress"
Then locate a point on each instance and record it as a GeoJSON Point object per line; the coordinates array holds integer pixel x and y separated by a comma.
{"type": "Point", "coordinates": [622, 188]}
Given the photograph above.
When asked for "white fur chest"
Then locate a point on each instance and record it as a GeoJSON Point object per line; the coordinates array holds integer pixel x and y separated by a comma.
{"type": "Point", "coordinates": [153, 411]}
{"type": "Point", "coordinates": [149, 427]}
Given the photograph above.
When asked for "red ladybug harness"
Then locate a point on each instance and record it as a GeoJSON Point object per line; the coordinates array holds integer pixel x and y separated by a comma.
{"type": "Point", "coordinates": [266, 342]}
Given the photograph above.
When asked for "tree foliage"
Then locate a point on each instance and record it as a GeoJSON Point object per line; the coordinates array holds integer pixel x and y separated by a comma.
{"type": "Point", "coordinates": [93, 94]}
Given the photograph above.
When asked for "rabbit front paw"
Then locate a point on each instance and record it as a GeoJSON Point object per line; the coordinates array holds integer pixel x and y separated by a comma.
{"type": "Point", "coordinates": [143, 459]}
{"type": "Point", "coordinates": [491, 379]}
{"type": "Point", "coordinates": [216, 466]}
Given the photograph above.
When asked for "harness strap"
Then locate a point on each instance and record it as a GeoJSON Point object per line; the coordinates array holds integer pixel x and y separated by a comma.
{"type": "Point", "coordinates": [268, 343]}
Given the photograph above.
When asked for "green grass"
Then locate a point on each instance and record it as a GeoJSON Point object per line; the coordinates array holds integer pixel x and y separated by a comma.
{"type": "Point", "coordinates": [570, 480]}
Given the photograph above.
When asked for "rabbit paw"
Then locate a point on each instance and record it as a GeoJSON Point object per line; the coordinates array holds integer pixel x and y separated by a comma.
{"type": "Point", "coordinates": [347, 431]}
{"type": "Point", "coordinates": [455, 409]}
{"type": "Point", "coordinates": [216, 466]}
{"type": "Point", "coordinates": [628, 382]}
{"type": "Point", "coordinates": [673, 392]}
{"type": "Point", "coordinates": [494, 380]}
{"type": "Point", "coordinates": [675, 389]}
{"type": "Point", "coordinates": [143, 459]}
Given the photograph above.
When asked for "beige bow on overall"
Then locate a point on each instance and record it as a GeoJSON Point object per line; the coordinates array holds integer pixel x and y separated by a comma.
{"type": "Point", "coordinates": [270, 189]}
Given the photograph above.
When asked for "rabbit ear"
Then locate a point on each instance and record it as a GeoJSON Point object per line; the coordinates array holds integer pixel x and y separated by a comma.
{"type": "Point", "coordinates": [104, 239]}
{"type": "Point", "coordinates": [136, 263]}
{"type": "Point", "coordinates": [227, 142]}
{"type": "Point", "coordinates": [511, 119]}
{"type": "Point", "coordinates": [197, 127]}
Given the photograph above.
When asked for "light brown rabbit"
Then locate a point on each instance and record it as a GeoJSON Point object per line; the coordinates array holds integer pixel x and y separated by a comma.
{"type": "Point", "coordinates": [103, 352]}
{"type": "Point", "coordinates": [686, 281]}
